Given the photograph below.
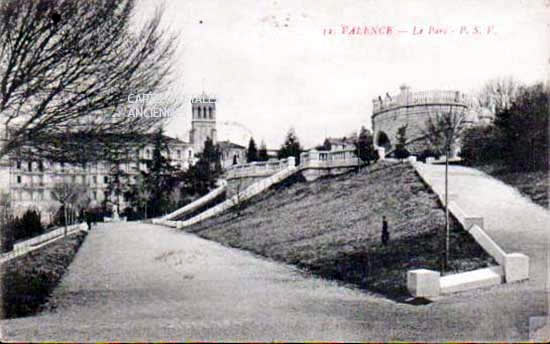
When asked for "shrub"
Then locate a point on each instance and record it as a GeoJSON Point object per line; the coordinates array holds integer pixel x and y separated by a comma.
{"type": "Point", "coordinates": [6, 236]}
{"type": "Point", "coordinates": [480, 145]}
{"type": "Point", "coordinates": [28, 226]}
{"type": "Point", "coordinates": [426, 153]}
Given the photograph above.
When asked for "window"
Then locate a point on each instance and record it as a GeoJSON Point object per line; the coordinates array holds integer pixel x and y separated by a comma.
{"type": "Point", "coordinates": [105, 179]}
{"type": "Point", "coordinates": [210, 112]}
{"type": "Point", "coordinates": [18, 164]}
{"type": "Point", "coordinates": [18, 179]}
{"type": "Point", "coordinates": [179, 154]}
{"type": "Point", "coordinates": [94, 180]}
{"type": "Point", "coordinates": [199, 113]}
{"type": "Point", "coordinates": [41, 166]}
{"type": "Point", "coordinates": [147, 153]}
{"type": "Point", "coordinates": [190, 153]}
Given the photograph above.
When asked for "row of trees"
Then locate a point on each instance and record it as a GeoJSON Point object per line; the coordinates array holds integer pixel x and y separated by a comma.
{"type": "Point", "coordinates": [517, 139]}
{"type": "Point", "coordinates": [255, 154]}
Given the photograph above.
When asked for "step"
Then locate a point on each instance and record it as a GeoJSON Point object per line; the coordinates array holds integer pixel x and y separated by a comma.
{"type": "Point", "coordinates": [471, 280]}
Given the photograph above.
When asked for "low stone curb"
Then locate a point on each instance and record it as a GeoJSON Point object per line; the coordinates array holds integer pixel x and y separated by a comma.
{"type": "Point", "coordinates": [511, 267]}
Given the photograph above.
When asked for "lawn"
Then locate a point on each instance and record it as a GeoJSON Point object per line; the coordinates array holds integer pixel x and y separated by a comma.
{"type": "Point", "coordinates": [332, 228]}
{"type": "Point", "coordinates": [28, 280]}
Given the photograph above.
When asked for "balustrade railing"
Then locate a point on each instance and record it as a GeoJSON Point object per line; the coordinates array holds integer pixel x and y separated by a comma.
{"type": "Point", "coordinates": [328, 159]}
{"type": "Point", "coordinates": [424, 97]}
{"type": "Point", "coordinates": [258, 168]}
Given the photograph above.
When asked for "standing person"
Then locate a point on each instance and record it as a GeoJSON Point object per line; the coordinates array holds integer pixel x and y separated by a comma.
{"type": "Point", "coordinates": [89, 218]}
{"type": "Point", "coordinates": [385, 232]}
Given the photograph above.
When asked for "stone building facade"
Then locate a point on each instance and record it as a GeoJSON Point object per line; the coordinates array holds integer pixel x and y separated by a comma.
{"type": "Point", "coordinates": [30, 183]}
{"type": "Point", "coordinates": [412, 109]}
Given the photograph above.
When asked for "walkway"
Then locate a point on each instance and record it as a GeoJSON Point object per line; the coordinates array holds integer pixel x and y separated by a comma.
{"type": "Point", "coordinates": [511, 219]}
{"type": "Point", "coordinates": [140, 282]}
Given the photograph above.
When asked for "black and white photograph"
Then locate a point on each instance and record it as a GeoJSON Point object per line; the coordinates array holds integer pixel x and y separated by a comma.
{"type": "Point", "coordinates": [274, 170]}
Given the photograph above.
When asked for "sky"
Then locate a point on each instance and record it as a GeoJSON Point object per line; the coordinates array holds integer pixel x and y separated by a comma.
{"type": "Point", "coordinates": [274, 65]}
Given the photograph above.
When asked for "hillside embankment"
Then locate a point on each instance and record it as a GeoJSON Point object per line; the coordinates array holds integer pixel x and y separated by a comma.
{"type": "Point", "coordinates": [332, 228]}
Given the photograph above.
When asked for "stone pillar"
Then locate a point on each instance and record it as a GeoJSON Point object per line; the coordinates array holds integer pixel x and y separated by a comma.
{"type": "Point", "coordinates": [423, 283]}
{"type": "Point", "coordinates": [291, 161]}
{"type": "Point", "coordinates": [313, 155]}
{"type": "Point", "coordinates": [516, 267]}
{"type": "Point", "coordinates": [381, 153]}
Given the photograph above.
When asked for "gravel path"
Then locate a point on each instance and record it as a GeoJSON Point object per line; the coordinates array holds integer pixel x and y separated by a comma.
{"type": "Point", "coordinates": [140, 282]}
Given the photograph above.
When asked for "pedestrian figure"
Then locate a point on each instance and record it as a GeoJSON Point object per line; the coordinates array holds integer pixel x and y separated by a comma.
{"type": "Point", "coordinates": [89, 219]}
{"type": "Point", "coordinates": [385, 232]}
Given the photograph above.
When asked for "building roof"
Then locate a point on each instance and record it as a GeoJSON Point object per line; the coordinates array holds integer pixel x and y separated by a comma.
{"type": "Point", "coordinates": [169, 139]}
{"type": "Point", "coordinates": [229, 145]}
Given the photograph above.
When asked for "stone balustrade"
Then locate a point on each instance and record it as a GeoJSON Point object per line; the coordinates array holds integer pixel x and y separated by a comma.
{"type": "Point", "coordinates": [328, 159]}
{"type": "Point", "coordinates": [416, 98]}
{"type": "Point", "coordinates": [258, 168]}
{"type": "Point", "coordinates": [189, 208]}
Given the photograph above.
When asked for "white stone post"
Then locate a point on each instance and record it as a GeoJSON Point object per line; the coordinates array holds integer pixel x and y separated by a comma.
{"type": "Point", "coordinates": [381, 153]}
{"type": "Point", "coordinates": [423, 283]}
{"type": "Point", "coordinates": [291, 161]}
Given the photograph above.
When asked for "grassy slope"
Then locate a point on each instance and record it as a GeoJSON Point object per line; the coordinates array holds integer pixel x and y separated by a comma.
{"type": "Point", "coordinates": [332, 227]}
{"type": "Point", "coordinates": [28, 280]}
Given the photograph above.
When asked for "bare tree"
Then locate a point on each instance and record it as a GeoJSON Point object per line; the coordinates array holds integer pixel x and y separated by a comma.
{"type": "Point", "coordinates": [498, 94]}
{"type": "Point", "coordinates": [442, 132]}
{"type": "Point", "coordinates": [239, 199]}
{"type": "Point", "coordinates": [67, 194]}
{"type": "Point", "coordinates": [67, 71]}
{"type": "Point", "coordinates": [52, 210]}
{"type": "Point", "coordinates": [143, 194]}
{"type": "Point", "coordinates": [6, 237]}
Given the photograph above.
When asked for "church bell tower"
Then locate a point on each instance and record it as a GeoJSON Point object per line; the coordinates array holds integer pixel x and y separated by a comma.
{"type": "Point", "coordinates": [203, 123]}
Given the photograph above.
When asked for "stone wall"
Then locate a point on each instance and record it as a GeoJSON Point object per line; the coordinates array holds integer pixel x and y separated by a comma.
{"type": "Point", "coordinates": [412, 110]}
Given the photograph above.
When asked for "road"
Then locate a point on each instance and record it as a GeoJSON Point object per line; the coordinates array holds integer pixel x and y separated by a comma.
{"type": "Point", "coordinates": [140, 282]}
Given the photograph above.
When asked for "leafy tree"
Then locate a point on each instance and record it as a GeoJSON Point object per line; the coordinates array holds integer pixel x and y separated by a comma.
{"type": "Point", "coordinates": [326, 146]}
{"type": "Point", "coordinates": [518, 137]}
{"type": "Point", "coordinates": [200, 178]}
{"type": "Point", "coordinates": [291, 147]}
{"type": "Point", "coordinates": [523, 129]}
{"type": "Point", "coordinates": [364, 146]}
{"type": "Point", "coordinates": [480, 145]}
{"type": "Point", "coordinates": [67, 67]}
{"type": "Point", "coordinates": [252, 151]}
{"type": "Point", "coordinates": [262, 153]}
{"type": "Point", "coordinates": [28, 226]}
{"type": "Point", "coordinates": [160, 175]}
{"type": "Point", "coordinates": [441, 133]}
{"type": "Point", "coordinates": [401, 151]}
{"type": "Point", "coordinates": [118, 179]}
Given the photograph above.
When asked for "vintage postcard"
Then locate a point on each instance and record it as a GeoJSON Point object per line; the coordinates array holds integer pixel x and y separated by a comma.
{"type": "Point", "coordinates": [274, 170]}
